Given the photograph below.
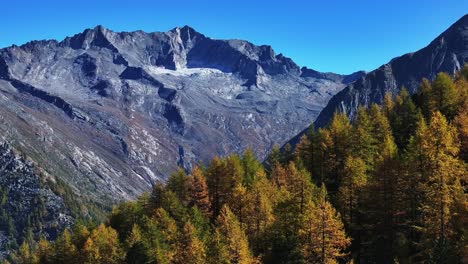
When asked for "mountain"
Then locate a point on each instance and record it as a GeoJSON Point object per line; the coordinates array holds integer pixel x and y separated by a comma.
{"type": "Point", "coordinates": [447, 53]}
{"type": "Point", "coordinates": [32, 202]}
{"type": "Point", "coordinates": [111, 113]}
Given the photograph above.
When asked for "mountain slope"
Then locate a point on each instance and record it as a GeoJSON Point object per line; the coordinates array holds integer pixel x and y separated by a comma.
{"type": "Point", "coordinates": [111, 113]}
{"type": "Point", "coordinates": [447, 53]}
{"type": "Point", "coordinates": [32, 203]}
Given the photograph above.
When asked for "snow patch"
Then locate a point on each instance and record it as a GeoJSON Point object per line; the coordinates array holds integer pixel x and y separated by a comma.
{"type": "Point", "coordinates": [183, 71]}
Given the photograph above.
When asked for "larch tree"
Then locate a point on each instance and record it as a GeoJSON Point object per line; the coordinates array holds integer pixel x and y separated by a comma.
{"type": "Point", "coordinates": [381, 204]}
{"type": "Point", "coordinates": [388, 105]}
{"type": "Point", "coordinates": [233, 237]}
{"type": "Point", "coordinates": [355, 179]}
{"type": "Point", "coordinates": [162, 234]}
{"type": "Point", "coordinates": [380, 126]}
{"type": "Point", "coordinates": [198, 191]}
{"type": "Point", "coordinates": [336, 146]}
{"type": "Point", "coordinates": [279, 175]}
{"type": "Point", "coordinates": [235, 171]}
{"type": "Point", "coordinates": [461, 123]}
{"type": "Point", "coordinates": [239, 202]}
{"type": "Point", "coordinates": [218, 184]}
{"type": "Point", "coordinates": [190, 249]}
{"type": "Point", "coordinates": [440, 147]}
{"type": "Point", "coordinates": [364, 144]}
{"type": "Point", "coordinates": [417, 169]}
{"type": "Point", "coordinates": [323, 235]}
{"type": "Point", "coordinates": [259, 217]}
{"type": "Point", "coordinates": [303, 152]}
{"type": "Point", "coordinates": [44, 251]}
{"type": "Point", "coordinates": [103, 247]}
{"type": "Point", "coordinates": [25, 255]}
{"type": "Point", "coordinates": [299, 185]}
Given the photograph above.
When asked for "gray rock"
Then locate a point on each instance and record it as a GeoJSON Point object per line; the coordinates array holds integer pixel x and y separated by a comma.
{"type": "Point", "coordinates": [112, 113]}
{"type": "Point", "coordinates": [28, 201]}
{"type": "Point", "coordinates": [447, 53]}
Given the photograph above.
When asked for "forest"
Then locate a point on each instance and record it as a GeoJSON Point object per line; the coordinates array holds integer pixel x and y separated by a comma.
{"type": "Point", "coordinates": [387, 186]}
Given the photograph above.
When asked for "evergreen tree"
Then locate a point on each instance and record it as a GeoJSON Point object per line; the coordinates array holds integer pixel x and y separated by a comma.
{"type": "Point", "coordinates": [136, 249]}
{"type": "Point", "coordinates": [251, 166]}
{"type": "Point", "coordinates": [287, 155]}
{"type": "Point", "coordinates": [404, 118]}
{"type": "Point", "coordinates": [162, 234]}
{"type": "Point", "coordinates": [273, 158]}
{"type": "Point", "coordinates": [64, 249]}
{"type": "Point", "coordinates": [171, 203]}
{"type": "Point", "coordinates": [423, 96]}
{"type": "Point", "coordinates": [178, 184]}
{"type": "Point", "coordinates": [44, 252]}
{"type": "Point", "coordinates": [443, 96]}
{"type": "Point", "coordinates": [218, 249]}
{"type": "Point", "coordinates": [283, 240]}
{"type": "Point", "coordinates": [380, 126]}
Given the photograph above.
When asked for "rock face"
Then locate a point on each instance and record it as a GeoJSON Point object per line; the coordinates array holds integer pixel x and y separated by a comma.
{"type": "Point", "coordinates": [30, 204]}
{"type": "Point", "coordinates": [111, 113]}
{"type": "Point", "coordinates": [447, 53]}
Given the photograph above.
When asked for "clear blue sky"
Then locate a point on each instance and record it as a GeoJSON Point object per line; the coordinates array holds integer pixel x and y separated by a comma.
{"type": "Point", "coordinates": [339, 36]}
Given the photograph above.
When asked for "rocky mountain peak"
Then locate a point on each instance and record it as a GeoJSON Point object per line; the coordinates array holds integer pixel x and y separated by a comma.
{"type": "Point", "coordinates": [97, 36]}
{"type": "Point", "coordinates": [349, 78]}
{"type": "Point", "coordinates": [118, 111]}
{"type": "Point", "coordinates": [187, 33]}
{"type": "Point", "coordinates": [112, 113]}
{"type": "Point", "coordinates": [446, 53]}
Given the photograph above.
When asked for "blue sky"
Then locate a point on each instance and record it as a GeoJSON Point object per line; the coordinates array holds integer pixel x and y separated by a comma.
{"type": "Point", "coordinates": [338, 36]}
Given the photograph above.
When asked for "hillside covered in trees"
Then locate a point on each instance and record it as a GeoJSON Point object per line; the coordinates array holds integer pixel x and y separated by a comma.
{"type": "Point", "coordinates": [387, 187]}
